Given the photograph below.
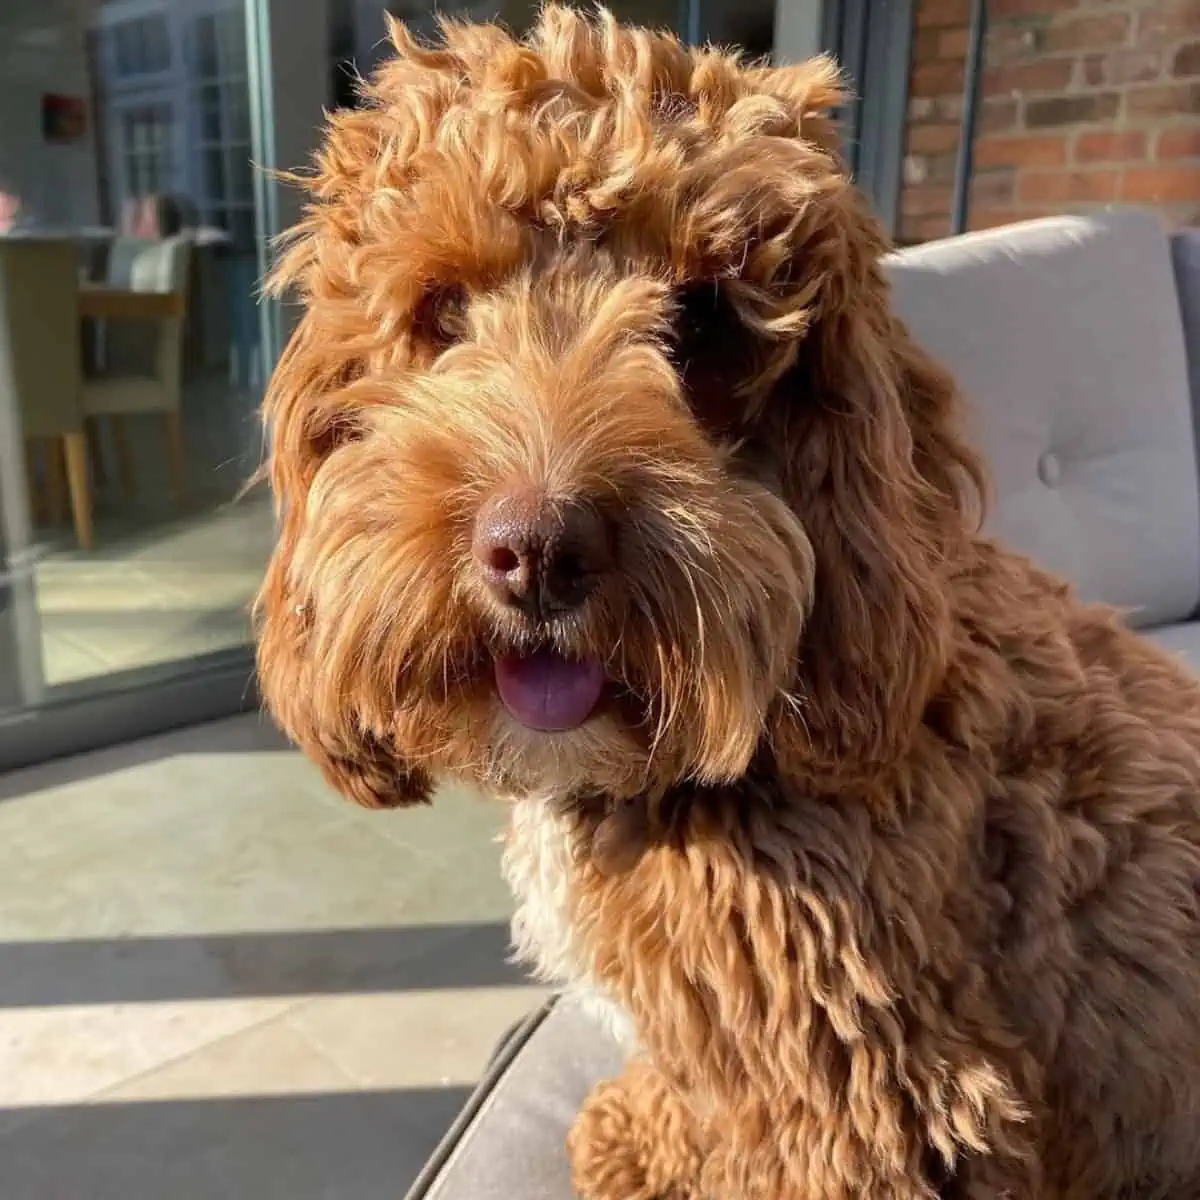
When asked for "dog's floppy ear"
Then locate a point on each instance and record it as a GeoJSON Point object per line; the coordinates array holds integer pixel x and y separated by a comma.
{"type": "Point", "coordinates": [354, 751]}
{"type": "Point", "coordinates": [887, 491]}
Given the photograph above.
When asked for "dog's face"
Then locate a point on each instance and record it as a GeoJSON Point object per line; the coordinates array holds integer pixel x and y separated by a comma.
{"type": "Point", "coordinates": [557, 440]}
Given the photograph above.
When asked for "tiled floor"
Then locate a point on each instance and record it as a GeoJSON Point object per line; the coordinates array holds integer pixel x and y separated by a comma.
{"type": "Point", "coordinates": [219, 980]}
{"type": "Point", "coordinates": [161, 583]}
{"type": "Point", "coordinates": [154, 590]}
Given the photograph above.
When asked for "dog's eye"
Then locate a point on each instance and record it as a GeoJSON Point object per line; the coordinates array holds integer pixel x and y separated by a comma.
{"type": "Point", "coordinates": [441, 317]}
{"type": "Point", "coordinates": [712, 352]}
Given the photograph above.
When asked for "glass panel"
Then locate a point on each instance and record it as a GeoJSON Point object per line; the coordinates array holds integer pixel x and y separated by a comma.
{"type": "Point", "coordinates": [236, 112]}
{"type": "Point", "coordinates": [141, 45]}
{"type": "Point", "coordinates": [241, 227]}
{"type": "Point", "coordinates": [214, 173]}
{"type": "Point", "coordinates": [359, 43]}
{"type": "Point", "coordinates": [212, 113]}
{"type": "Point", "coordinates": [126, 549]}
{"type": "Point", "coordinates": [241, 174]}
{"type": "Point", "coordinates": [206, 46]}
{"type": "Point", "coordinates": [231, 42]}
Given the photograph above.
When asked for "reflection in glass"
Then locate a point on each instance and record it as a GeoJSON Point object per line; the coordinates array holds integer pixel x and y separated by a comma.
{"type": "Point", "coordinates": [127, 213]}
{"type": "Point", "coordinates": [127, 231]}
{"type": "Point", "coordinates": [358, 32]}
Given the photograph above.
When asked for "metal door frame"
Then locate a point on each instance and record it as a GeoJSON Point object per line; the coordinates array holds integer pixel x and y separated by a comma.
{"type": "Point", "coordinates": [872, 39]}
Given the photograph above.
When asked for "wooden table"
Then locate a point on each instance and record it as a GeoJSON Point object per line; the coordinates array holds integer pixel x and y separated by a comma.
{"type": "Point", "coordinates": [101, 302]}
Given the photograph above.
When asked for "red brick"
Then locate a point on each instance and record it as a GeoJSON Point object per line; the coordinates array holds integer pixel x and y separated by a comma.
{"type": "Point", "coordinates": [1103, 146]}
{"type": "Point", "coordinates": [923, 229]}
{"type": "Point", "coordinates": [1032, 150]}
{"type": "Point", "coordinates": [1043, 187]}
{"type": "Point", "coordinates": [993, 218]}
{"type": "Point", "coordinates": [1122, 66]}
{"type": "Point", "coordinates": [994, 188]}
{"type": "Point", "coordinates": [926, 200]}
{"type": "Point", "coordinates": [1160, 24]}
{"type": "Point", "coordinates": [1050, 111]}
{"type": "Point", "coordinates": [1178, 143]}
{"type": "Point", "coordinates": [937, 78]}
{"type": "Point", "coordinates": [935, 108]}
{"type": "Point", "coordinates": [925, 45]}
{"type": "Point", "coordinates": [918, 170]}
{"type": "Point", "coordinates": [1040, 75]}
{"type": "Point", "coordinates": [933, 13]}
{"type": "Point", "coordinates": [1055, 187]}
{"type": "Point", "coordinates": [1162, 184]}
{"type": "Point", "coordinates": [1096, 186]}
{"type": "Point", "coordinates": [1087, 33]}
{"type": "Point", "coordinates": [941, 168]}
{"type": "Point", "coordinates": [952, 43]}
{"type": "Point", "coordinates": [1187, 60]}
{"type": "Point", "coordinates": [1093, 68]}
{"type": "Point", "coordinates": [1167, 100]}
{"type": "Point", "coordinates": [914, 170]}
{"type": "Point", "coordinates": [998, 10]}
{"type": "Point", "coordinates": [1011, 42]}
{"type": "Point", "coordinates": [998, 116]}
{"type": "Point", "coordinates": [933, 139]}
{"type": "Point", "coordinates": [949, 108]}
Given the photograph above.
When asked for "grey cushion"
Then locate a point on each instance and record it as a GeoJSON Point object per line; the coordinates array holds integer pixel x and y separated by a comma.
{"type": "Point", "coordinates": [1065, 336]}
{"type": "Point", "coordinates": [510, 1142]}
{"type": "Point", "coordinates": [1182, 639]}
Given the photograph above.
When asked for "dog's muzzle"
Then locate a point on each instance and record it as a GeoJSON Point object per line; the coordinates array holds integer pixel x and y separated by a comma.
{"type": "Point", "coordinates": [543, 557]}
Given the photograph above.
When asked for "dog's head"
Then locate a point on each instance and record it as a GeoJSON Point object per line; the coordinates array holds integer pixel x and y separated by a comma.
{"type": "Point", "coordinates": [600, 458]}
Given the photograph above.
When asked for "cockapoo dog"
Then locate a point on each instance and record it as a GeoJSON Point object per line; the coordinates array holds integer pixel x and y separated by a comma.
{"type": "Point", "coordinates": [610, 483]}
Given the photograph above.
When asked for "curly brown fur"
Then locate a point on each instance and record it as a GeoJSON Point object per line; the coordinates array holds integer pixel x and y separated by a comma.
{"type": "Point", "coordinates": [636, 1138]}
{"type": "Point", "coordinates": [885, 845]}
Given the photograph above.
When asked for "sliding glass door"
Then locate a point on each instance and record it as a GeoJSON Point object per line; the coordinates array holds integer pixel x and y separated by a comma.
{"type": "Point", "coordinates": [135, 228]}
{"type": "Point", "coordinates": [131, 367]}
{"type": "Point", "coordinates": [872, 40]}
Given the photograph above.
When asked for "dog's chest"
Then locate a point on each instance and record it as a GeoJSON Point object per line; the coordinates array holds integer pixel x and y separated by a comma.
{"type": "Point", "coordinates": [540, 867]}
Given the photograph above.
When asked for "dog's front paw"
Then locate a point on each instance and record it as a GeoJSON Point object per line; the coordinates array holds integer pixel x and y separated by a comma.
{"type": "Point", "coordinates": [630, 1143]}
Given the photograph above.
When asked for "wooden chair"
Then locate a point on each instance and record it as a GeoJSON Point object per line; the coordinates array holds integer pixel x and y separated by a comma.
{"type": "Point", "coordinates": [40, 368]}
{"type": "Point", "coordinates": [142, 372]}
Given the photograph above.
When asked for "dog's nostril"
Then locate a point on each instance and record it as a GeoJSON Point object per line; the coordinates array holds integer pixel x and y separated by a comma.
{"type": "Point", "coordinates": [568, 567]}
{"type": "Point", "coordinates": [502, 560]}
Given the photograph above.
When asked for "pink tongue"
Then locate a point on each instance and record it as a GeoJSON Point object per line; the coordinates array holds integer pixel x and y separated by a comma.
{"type": "Point", "coordinates": [548, 692]}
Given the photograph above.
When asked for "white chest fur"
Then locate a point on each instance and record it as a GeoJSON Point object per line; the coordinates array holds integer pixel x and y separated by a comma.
{"type": "Point", "coordinates": [540, 868]}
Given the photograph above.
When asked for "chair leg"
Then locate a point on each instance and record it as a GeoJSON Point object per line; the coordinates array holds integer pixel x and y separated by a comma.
{"type": "Point", "coordinates": [56, 482]}
{"type": "Point", "coordinates": [76, 452]}
{"type": "Point", "coordinates": [176, 458]}
{"type": "Point", "coordinates": [120, 430]}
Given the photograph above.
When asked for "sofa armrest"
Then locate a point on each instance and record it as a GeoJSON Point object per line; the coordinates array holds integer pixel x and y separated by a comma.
{"type": "Point", "coordinates": [1185, 254]}
{"type": "Point", "coordinates": [510, 1139]}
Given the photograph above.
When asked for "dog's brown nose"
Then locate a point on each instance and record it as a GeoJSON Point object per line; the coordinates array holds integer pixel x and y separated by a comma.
{"type": "Point", "coordinates": [540, 555]}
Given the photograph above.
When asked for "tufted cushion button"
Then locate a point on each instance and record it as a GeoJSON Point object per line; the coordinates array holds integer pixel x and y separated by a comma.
{"type": "Point", "coordinates": [1050, 469]}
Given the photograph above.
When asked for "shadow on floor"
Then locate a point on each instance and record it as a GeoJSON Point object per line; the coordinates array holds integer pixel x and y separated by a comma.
{"type": "Point", "coordinates": [345, 1146]}
{"type": "Point", "coordinates": [329, 962]}
{"type": "Point", "coordinates": [226, 736]}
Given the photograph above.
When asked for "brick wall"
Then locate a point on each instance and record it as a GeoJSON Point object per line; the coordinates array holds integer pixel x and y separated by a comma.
{"type": "Point", "coordinates": [1083, 103]}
